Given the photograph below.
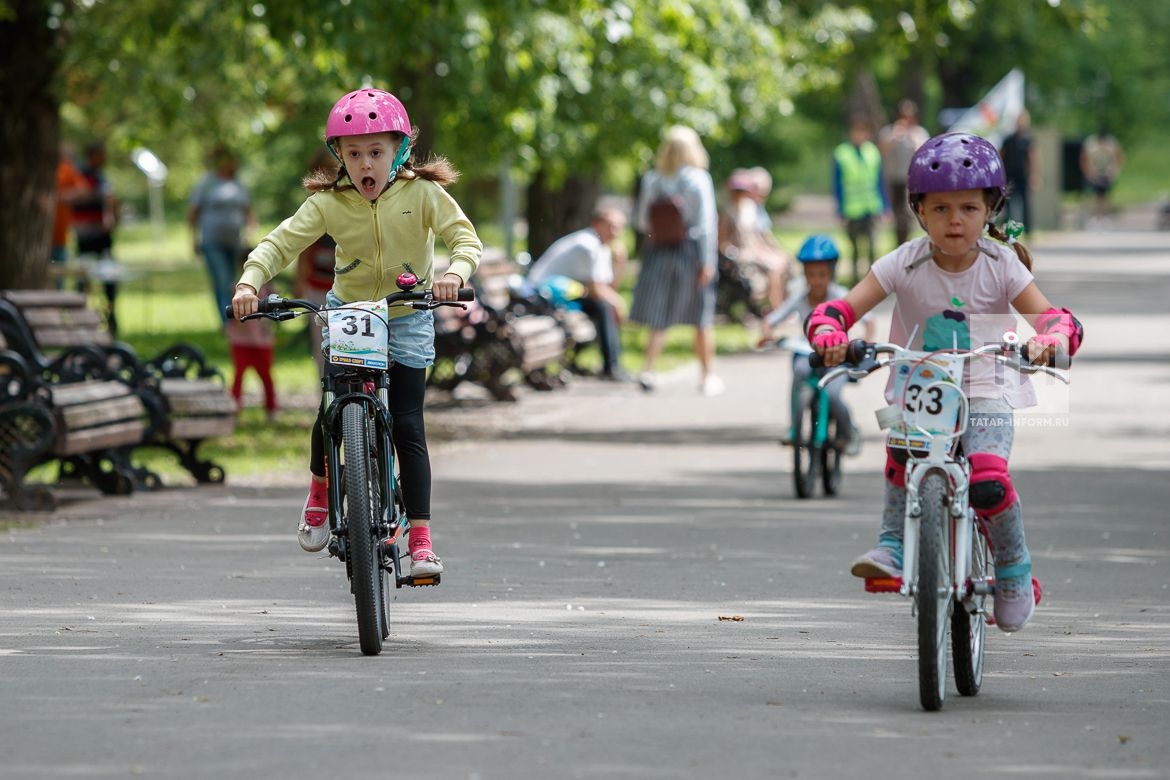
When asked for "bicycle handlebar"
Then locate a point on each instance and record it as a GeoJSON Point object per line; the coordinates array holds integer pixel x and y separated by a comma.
{"type": "Point", "coordinates": [857, 351]}
{"type": "Point", "coordinates": [277, 308]}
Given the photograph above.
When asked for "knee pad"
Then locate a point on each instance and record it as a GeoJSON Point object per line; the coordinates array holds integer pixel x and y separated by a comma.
{"type": "Point", "coordinates": [991, 484]}
{"type": "Point", "coordinates": [896, 467]}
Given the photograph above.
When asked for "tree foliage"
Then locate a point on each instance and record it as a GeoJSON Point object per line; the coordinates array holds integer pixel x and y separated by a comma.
{"type": "Point", "coordinates": [571, 96]}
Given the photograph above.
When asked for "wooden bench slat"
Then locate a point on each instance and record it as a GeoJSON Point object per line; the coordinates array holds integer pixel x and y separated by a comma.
{"type": "Point", "coordinates": [72, 319]}
{"type": "Point", "coordinates": [97, 414]}
{"type": "Point", "coordinates": [89, 440]}
{"type": "Point", "coordinates": [201, 427]}
{"type": "Point", "coordinates": [86, 392]}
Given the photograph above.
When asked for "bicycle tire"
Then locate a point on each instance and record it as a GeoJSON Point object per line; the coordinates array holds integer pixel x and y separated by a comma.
{"type": "Point", "coordinates": [831, 461]}
{"type": "Point", "coordinates": [805, 459]}
{"type": "Point", "coordinates": [969, 621]}
{"type": "Point", "coordinates": [933, 591]}
{"type": "Point", "coordinates": [361, 529]}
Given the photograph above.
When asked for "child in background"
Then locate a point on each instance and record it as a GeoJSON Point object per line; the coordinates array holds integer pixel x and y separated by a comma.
{"type": "Point", "coordinates": [384, 210]}
{"type": "Point", "coordinates": [956, 186]}
{"type": "Point", "coordinates": [253, 345]}
{"type": "Point", "coordinates": [818, 257]}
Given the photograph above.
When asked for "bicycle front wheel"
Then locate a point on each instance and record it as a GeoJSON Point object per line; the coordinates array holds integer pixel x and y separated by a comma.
{"type": "Point", "coordinates": [361, 528]}
{"type": "Point", "coordinates": [805, 458]}
{"type": "Point", "coordinates": [969, 622]}
{"type": "Point", "coordinates": [831, 460]}
{"type": "Point", "coordinates": [933, 591]}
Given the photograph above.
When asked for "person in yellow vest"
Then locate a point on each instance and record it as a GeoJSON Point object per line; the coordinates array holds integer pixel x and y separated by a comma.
{"type": "Point", "coordinates": [858, 185]}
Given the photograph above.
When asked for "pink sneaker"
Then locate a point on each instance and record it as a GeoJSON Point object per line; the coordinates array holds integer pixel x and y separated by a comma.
{"type": "Point", "coordinates": [1016, 595]}
{"type": "Point", "coordinates": [424, 563]}
{"type": "Point", "coordinates": [313, 531]}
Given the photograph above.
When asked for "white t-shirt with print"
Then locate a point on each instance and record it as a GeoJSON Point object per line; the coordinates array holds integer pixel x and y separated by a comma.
{"type": "Point", "coordinates": [942, 310]}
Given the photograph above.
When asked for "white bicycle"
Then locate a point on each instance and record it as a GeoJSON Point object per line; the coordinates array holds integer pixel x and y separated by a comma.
{"type": "Point", "coordinates": [948, 570]}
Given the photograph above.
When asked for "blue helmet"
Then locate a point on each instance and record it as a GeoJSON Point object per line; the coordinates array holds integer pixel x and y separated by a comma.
{"type": "Point", "coordinates": [818, 248]}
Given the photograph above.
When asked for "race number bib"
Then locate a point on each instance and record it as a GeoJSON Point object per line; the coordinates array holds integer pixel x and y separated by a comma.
{"type": "Point", "coordinates": [930, 392]}
{"type": "Point", "coordinates": [358, 335]}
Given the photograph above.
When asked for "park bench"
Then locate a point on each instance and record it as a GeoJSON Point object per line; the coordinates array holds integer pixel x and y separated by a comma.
{"type": "Point", "coordinates": [497, 338]}
{"type": "Point", "coordinates": [89, 425]}
{"type": "Point", "coordinates": [538, 338]}
{"type": "Point", "coordinates": [186, 399]}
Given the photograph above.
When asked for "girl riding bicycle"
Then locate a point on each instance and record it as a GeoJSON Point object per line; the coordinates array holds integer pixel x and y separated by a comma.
{"type": "Point", "coordinates": [384, 210]}
{"type": "Point", "coordinates": [818, 256]}
{"type": "Point", "coordinates": [955, 286]}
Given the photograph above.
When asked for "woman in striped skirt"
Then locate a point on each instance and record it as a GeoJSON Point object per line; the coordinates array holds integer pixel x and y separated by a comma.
{"type": "Point", "coordinates": [676, 283]}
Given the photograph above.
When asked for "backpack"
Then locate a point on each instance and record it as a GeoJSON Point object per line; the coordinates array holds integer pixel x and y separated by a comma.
{"type": "Point", "coordinates": [667, 227]}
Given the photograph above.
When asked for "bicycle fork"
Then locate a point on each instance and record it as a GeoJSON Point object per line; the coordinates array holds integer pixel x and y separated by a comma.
{"type": "Point", "coordinates": [961, 519]}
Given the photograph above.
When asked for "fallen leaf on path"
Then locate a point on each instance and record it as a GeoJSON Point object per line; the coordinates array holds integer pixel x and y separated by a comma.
{"type": "Point", "coordinates": [735, 618]}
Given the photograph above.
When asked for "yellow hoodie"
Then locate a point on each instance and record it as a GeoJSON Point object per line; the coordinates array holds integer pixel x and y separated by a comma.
{"type": "Point", "coordinates": [376, 239]}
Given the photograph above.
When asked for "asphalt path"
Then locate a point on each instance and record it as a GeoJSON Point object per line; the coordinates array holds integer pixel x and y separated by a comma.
{"type": "Point", "coordinates": [632, 592]}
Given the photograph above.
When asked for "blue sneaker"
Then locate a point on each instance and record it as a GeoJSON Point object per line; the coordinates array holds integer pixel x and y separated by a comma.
{"type": "Point", "coordinates": [881, 561]}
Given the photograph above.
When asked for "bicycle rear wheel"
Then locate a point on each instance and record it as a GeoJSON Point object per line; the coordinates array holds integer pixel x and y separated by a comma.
{"type": "Point", "coordinates": [933, 592]}
{"type": "Point", "coordinates": [362, 528]}
{"type": "Point", "coordinates": [805, 459]}
{"type": "Point", "coordinates": [969, 621]}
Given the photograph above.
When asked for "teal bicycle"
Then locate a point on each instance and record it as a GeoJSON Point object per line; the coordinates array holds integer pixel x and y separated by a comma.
{"type": "Point", "coordinates": [817, 444]}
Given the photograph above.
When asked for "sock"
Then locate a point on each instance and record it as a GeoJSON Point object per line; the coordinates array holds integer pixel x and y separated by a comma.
{"type": "Point", "coordinates": [1006, 530]}
{"type": "Point", "coordinates": [420, 539]}
{"type": "Point", "coordinates": [893, 517]}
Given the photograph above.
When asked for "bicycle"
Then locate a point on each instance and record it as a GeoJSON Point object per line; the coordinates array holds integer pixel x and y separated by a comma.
{"type": "Point", "coordinates": [813, 435]}
{"type": "Point", "coordinates": [366, 515]}
{"type": "Point", "coordinates": [948, 568]}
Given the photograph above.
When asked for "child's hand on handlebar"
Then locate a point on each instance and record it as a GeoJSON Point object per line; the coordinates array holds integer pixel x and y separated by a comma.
{"type": "Point", "coordinates": [1042, 349]}
{"type": "Point", "coordinates": [447, 288]}
{"type": "Point", "coordinates": [831, 345]}
{"type": "Point", "coordinates": [244, 302]}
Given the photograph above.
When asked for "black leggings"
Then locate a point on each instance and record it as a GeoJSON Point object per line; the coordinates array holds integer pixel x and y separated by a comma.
{"type": "Point", "coordinates": [407, 391]}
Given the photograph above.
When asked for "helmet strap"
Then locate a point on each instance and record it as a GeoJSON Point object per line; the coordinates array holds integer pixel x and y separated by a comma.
{"type": "Point", "coordinates": [400, 158]}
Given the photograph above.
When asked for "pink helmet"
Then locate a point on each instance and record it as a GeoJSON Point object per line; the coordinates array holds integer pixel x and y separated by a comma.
{"type": "Point", "coordinates": [366, 111]}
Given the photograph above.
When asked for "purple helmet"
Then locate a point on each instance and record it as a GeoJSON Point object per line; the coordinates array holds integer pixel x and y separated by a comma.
{"type": "Point", "coordinates": [366, 111]}
{"type": "Point", "coordinates": [956, 161]}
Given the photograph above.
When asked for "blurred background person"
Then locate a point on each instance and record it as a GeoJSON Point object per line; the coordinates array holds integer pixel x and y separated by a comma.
{"type": "Point", "coordinates": [898, 141]}
{"type": "Point", "coordinates": [586, 256]}
{"type": "Point", "coordinates": [859, 191]}
{"type": "Point", "coordinates": [220, 214]}
{"type": "Point", "coordinates": [676, 283]}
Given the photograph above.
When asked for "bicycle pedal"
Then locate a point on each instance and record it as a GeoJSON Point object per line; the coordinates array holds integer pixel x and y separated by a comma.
{"type": "Point", "coordinates": [883, 584]}
{"type": "Point", "coordinates": [419, 582]}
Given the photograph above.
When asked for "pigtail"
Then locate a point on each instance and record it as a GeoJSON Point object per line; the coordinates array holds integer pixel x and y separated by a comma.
{"type": "Point", "coordinates": [437, 169]}
{"type": "Point", "coordinates": [326, 178]}
{"type": "Point", "coordinates": [1021, 251]}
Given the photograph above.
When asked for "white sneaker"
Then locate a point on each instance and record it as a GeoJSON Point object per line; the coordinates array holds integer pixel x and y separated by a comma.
{"type": "Point", "coordinates": [712, 386]}
{"type": "Point", "coordinates": [424, 563]}
{"type": "Point", "coordinates": [647, 380]}
{"type": "Point", "coordinates": [313, 538]}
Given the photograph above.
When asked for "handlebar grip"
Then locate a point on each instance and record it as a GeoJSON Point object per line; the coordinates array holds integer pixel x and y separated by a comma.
{"type": "Point", "coordinates": [855, 353]}
{"type": "Point", "coordinates": [466, 294]}
{"type": "Point", "coordinates": [229, 312]}
{"type": "Point", "coordinates": [1058, 359]}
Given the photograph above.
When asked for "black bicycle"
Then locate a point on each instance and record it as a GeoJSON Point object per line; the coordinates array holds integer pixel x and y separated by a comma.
{"type": "Point", "coordinates": [366, 515]}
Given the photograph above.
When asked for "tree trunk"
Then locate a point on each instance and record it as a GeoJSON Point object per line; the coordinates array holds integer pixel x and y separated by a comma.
{"type": "Point", "coordinates": [29, 128]}
{"type": "Point", "coordinates": [553, 213]}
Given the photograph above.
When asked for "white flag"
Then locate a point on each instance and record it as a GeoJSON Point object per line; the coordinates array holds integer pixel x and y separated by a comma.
{"type": "Point", "coordinates": [994, 117]}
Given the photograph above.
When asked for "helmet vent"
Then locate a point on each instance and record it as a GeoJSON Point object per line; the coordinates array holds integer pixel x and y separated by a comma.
{"type": "Point", "coordinates": [349, 117]}
{"type": "Point", "coordinates": [373, 115]}
{"type": "Point", "coordinates": [967, 163]}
